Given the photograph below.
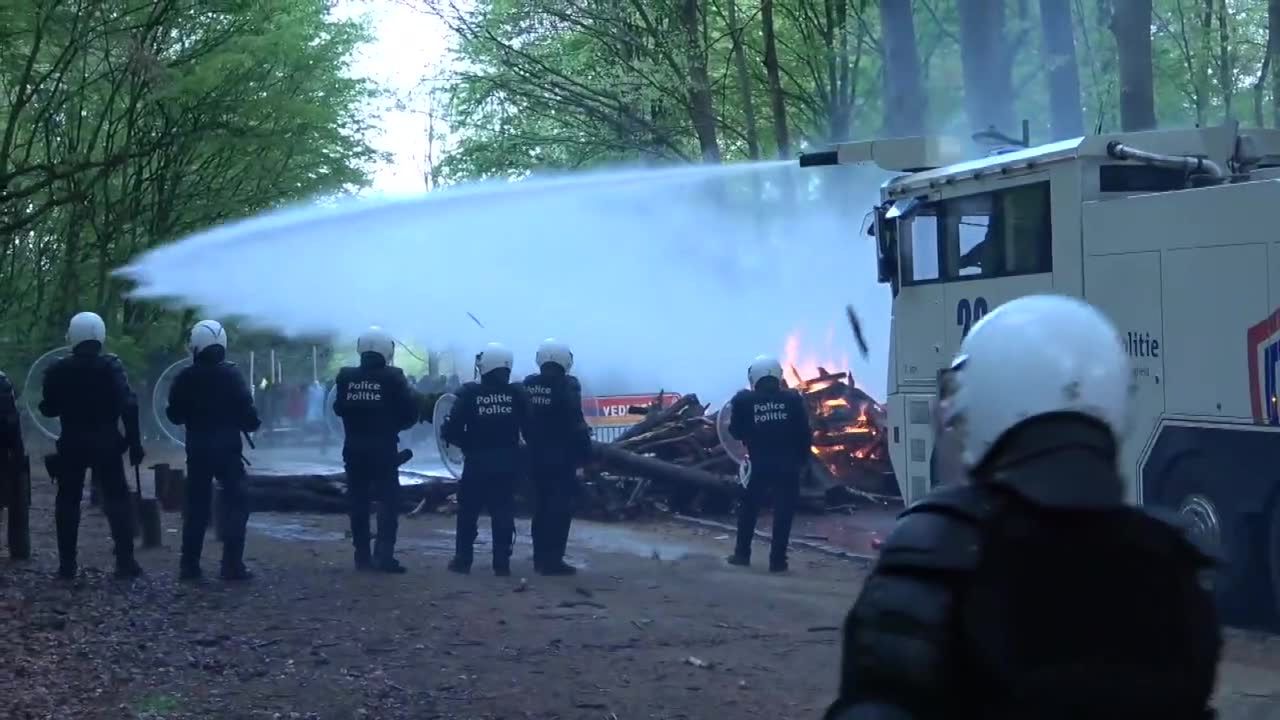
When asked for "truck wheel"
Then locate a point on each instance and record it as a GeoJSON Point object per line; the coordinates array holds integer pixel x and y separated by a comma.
{"type": "Point", "coordinates": [1189, 489]}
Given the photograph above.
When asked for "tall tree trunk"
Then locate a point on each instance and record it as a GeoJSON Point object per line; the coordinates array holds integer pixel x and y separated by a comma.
{"type": "Point", "coordinates": [988, 71]}
{"type": "Point", "coordinates": [1259, 87]}
{"type": "Point", "coordinates": [701, 109]}
{"type": "Point", "coordinates": [1273, 35]}
{"type": "Point", "coordinates": [1226, 68]}
{"type": "Point", "coordinates": [905, 106]}
{"type": "Point", "coordinates": [744, 81]}
{"type": "Point", "coordinates": [1066, 116]}
{"type": "Point", "coordinates": [1131, 26]}
{"type": "Point", "coordinates": [776, 100]}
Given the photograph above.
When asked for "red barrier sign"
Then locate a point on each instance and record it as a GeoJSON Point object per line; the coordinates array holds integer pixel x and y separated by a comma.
{"type": "Point", "coordinates": [614, 410]}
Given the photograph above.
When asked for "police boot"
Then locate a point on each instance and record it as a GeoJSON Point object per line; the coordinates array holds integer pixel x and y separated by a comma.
{"type": "Point", "coordinates": [233, 568]}
{"type": "Point", "coordinates": [363, 561]}
{"type": "Point", "coordinates": [384, 559]}
{"type": "Point", "coordinates": [461, 562]}
{"type": "Point", "coordinates": [739, 560]}
{"type": "Point", "coordinates": [67, 522]}
{"type": "Point", "coordinates": [189, 571]}
{"type": "Point", "coordinates": [553, 562]}
{"type": "Point", "coordinates": [122, 537]}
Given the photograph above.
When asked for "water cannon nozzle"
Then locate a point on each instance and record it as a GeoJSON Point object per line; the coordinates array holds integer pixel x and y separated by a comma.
{"type": "Point", "coordinates": [819, 159]}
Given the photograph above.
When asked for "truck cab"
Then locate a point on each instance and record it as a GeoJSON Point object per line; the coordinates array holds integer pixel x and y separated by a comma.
{"type": "Point", "coordinates": [1171, 234]}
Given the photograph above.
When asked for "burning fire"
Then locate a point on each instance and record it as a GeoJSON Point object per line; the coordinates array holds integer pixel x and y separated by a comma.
{"type": "Point", "coordinates": [846, 421]}
{"type": "Point", "coordinates": [796, 367]}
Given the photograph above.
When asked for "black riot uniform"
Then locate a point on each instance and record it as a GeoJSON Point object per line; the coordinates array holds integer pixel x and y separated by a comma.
{"type": "Point", "coordinates": [88, 391]}
{"type": "Point", "coordinates": [559, 440]}
{"type": "Point", "coordinates": [774, 425]}
{"type": "Point", "coordinates": [376, 404]}
{"type": "Point", "coordinates": [1033, 592]}
{"type": "Point", "coordinates": [211, 399]}
{"type": "Point", "coordinates": [485, 423]}
{"type": "Point", "coordinates": [15, 478]}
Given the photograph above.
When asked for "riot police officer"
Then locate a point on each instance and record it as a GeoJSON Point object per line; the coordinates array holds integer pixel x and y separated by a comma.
{"type": "Point", "coordinates": [15, 478]}
{"type": "Point", "coordinates": [773, 423]}
{"type": "Point", "coordinates": [89, 392]}
{"type": "Point", "coordinates": [212, 400]}
{"type": "Point", "coordinates": [485, 423]}
{"type": "Point", "coordinates": [1033, 590]}
{"type": "Point", "coordinates": [376, 404]}
{"type": "Point", "coordinates": [559, 440]}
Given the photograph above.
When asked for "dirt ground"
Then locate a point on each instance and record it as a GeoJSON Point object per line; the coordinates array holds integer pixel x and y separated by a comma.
{"type": "Point", "coordinates": [656, 626]}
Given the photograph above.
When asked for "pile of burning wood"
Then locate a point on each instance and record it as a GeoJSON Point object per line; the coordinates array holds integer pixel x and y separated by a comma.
{"type": "Point", "coordinates": [673, 458]}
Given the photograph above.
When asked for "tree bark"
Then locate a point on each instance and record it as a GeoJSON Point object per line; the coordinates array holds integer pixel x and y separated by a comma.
{"type": "Point", "coordinates": [701, 108]}
{"type": "Point", "coordinates": [1066, 116]}
{"type": "Point", "coordinates": [905, 105]}
{"type": "Point", "coordinates": [1226, 69]}
{"type": "Point", "coordinates": [751, 131]}
{"type": "Point", "coordinates": [1259, 87]}
{"type": "Point", "coordinates": [777, 101]}
{"type": "Point", "coordinates": [1273, 42]}
{"type": "Point", "coordinates": [1131, 26]}
{"type": "Point", "coordinates": [987, 66]}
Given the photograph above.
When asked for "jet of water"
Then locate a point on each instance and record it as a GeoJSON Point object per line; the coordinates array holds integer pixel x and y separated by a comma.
{"type": "Point", "coordinates": [658, 278]}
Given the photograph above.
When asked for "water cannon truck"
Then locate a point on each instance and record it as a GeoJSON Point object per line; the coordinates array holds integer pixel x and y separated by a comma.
{"type": "Point", "coordinates": [1173, 234]}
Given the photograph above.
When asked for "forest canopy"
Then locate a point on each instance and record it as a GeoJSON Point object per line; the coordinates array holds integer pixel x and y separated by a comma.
{"type": "Point", "coordinates": [574, 83]}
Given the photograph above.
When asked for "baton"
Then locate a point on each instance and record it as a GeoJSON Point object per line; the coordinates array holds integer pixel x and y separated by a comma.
{"type": "Point", "coordinates": [137, 480]}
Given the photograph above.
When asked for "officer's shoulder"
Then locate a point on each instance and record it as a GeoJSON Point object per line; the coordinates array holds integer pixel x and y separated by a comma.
{"type": "Point", "coordinates": [470, 388]}
{"type": "Point", "coordinates": [741, 395]}
{"type": "Point", "coordinates": [345, 372]}
{"type": "Point", "coordinates": [113, 360]}
{"type": "Point", "coordinates": [532, 378]}
{"type": "Point", "coordinates": [226, 364]}
{"type": "Point", "coordinates": [6, 386]}
{"type": "Point", "coordinates": [941, 532]}
{"type": "Point", "coordinates": [1182, 534]}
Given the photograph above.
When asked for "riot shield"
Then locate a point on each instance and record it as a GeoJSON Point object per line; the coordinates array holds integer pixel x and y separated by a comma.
{"type": "Point", "coordinates": [733, 447]}
{"type": "Point", "coordinates": [160, 400]}
{"type": "Point", "coordinates": [330, 417]}
{"type": "Point", "coordinates": [450, 455]}
{"type": "Point", "coordinates": [33, 392]}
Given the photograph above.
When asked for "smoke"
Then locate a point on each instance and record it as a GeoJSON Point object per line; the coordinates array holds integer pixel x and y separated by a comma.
{"type": "Point", "coordinates": [671, 279]}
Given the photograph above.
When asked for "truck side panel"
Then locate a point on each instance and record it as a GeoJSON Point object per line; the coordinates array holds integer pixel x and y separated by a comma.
{"type": "Point", "coordinates": [1212, 295]}
{"type": "Point", "coordinates": [1128, 289]}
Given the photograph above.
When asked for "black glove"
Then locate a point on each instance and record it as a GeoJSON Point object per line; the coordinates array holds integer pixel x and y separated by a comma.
{"type": "Point", "coordinates": [136, 454]}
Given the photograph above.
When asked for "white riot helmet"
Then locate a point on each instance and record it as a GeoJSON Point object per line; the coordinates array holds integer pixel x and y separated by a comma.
{"type": "Point", "coordinates": [206, 334]}
{"type": "Point", "coordinates": [762, 367]}
{"type": "Point", "coordinates": [554, 351]}
{"type": "Point", "coordinates": [377, 340]}
{"type": "Point", "coordinates": [84, 327]}
{"type": "Point", "coordinates": [493, 357]}
{"type": "Point", "coordinates": [1034, 356]}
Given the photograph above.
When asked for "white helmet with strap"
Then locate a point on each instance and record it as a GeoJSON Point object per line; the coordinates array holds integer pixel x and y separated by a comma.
{"type": "Point", "coordinates": [762, 367]}
{"type": "Point", "coordinates": [554, 351]}
{"type": "Point", "coordinates": [1034, 356]}
{"type": "Point", "coordinates": [206, 334]}
{"type": "Point", "coordinates": [493, 357]}
{"type": "Point", "coordinates": [377, 340]}
{"type": "Point", "coordinates": [85, 327]}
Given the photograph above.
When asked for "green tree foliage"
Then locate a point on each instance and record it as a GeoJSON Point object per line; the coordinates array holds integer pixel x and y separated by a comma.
{"type": "Point", "coordinates": [570, 83]}
{"type": "Point", "coordinates": [127, 123]}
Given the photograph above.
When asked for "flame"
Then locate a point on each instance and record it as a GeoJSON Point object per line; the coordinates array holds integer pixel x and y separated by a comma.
{"type": "Point", "coordinates": [845, 429]}
{"type": "Point", "coordinates": [798, 365]}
